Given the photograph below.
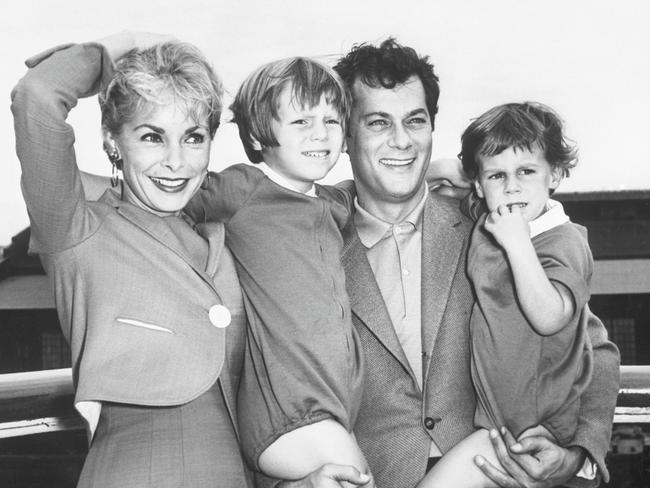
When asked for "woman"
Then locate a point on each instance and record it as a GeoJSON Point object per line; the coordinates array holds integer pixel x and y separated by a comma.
{"type": "Point", "coordinates": [151, 309]}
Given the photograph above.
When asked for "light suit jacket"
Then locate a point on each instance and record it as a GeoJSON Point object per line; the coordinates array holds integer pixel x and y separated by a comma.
{"type": "Point", "coordinates": [397, 421]}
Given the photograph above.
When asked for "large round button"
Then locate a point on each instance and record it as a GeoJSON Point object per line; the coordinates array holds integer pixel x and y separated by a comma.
{"type": "Point", "coordinates": [429, 423]}
{"type": "Point", "coordinates": [219, 316]}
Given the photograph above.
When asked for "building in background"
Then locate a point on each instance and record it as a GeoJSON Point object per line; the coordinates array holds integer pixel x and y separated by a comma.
{"type": "Point", "coordinates": [619, 236]}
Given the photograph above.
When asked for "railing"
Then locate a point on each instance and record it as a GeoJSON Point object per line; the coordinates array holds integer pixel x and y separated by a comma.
{"type": "Point", "coordinates": [633, 403]}
{"type": "Point", "coordinates": [42, 401]}
{"type": "Point", "coordinates": [37, 402]}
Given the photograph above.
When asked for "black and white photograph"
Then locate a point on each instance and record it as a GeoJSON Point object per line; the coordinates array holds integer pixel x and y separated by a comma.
{"type": "Point", "coordinates": [302, 244]}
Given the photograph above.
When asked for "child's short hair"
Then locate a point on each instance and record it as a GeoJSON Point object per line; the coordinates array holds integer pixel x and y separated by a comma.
{"type": "Point", "coordinates": [257, 99]}
{"type": "Point", "coordinates": [519, 126]}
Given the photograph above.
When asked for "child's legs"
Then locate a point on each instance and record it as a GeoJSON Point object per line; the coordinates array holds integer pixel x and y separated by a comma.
{"type": "Point", "coordinates": [457, 469]}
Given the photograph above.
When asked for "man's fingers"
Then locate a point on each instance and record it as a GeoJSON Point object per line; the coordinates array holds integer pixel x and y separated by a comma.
{"type": "Point", "coordinates": [511, 463]}
{"type": "Point", "coordinates": [529, 445]}
{"type": "Point", "coordinates": [508, 438]}
{"type": "Point", "coordinates": [496, 475]}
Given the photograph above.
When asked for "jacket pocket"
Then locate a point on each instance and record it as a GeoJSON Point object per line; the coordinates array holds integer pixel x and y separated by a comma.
{"type": "Point", "coordinates": [145, 325]}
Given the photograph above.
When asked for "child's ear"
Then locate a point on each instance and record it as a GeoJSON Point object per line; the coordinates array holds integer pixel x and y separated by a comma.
{"type": "Point", "coordinates": [479, 189]}
{"type": "Point", "coordinates": [556, 177]}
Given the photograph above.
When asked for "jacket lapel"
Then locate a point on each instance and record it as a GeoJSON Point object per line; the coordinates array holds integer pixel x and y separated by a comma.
{"type": "Point", "coordinates": [442, 245]}
{"type": "Point", "coordinates": [157, 229]}
{"type": "Point", "coordinates": [365, 298]}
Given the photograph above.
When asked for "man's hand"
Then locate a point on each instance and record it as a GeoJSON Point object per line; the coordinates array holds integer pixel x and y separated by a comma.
{"type": "Point", "coordinates": [534, 462]}
{"type": "Point", "coordinates": [331, 476]}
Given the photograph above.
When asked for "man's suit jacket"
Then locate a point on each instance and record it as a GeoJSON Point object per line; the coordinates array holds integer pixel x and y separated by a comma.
{"type": "Point", "coordinates": [397, 420]}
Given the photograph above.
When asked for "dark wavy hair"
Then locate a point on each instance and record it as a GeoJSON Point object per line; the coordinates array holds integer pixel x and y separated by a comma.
{"type": "Point", "coordinates": [519, 126]}
{"type": "Point", "coordinates": [388, 65]}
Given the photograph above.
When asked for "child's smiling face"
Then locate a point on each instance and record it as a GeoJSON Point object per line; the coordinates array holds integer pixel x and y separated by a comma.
{"type": "Point", "coordinates": [517, 177]}
{"type": "Point", "coordinates": [310, 140]}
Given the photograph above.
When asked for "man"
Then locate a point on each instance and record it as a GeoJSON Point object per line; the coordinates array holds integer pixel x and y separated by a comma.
{"type": "Point", "coordinates": [404, 257]}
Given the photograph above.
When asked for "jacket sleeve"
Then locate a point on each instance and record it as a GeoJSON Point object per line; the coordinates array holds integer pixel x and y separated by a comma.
{"type": "Point", "coordinates": [598, 402]}
{"type": "Point", "coordinates": [222, 194]}
{"type": "Point", "coordinates": [50, 181]}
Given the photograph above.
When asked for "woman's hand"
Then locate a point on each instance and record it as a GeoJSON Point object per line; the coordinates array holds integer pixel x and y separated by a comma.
{"type": "Point", "coordinates": [533, 462]}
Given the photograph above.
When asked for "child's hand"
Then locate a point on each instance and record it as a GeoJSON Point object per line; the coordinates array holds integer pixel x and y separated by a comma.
{"type": "Point", "coordinates": [508, 226]}
{"type": "Point", "coordinates": [447, 177]}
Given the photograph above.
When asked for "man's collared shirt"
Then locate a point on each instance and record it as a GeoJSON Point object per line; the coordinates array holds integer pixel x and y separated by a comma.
{"type": "Point", "coordinates": [395, 255]}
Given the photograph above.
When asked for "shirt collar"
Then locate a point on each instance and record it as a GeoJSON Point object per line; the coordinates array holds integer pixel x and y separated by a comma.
{"type": "Point", "coordinates": [552, 217]}
{"type": "Point", "coordinates": [372, 229]}
{"type": "Point", "coordinates": [278, 179]}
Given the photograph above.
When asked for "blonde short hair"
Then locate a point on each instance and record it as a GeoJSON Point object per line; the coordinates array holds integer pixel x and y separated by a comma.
{"type": "Point", "coordinates": [171, 72]}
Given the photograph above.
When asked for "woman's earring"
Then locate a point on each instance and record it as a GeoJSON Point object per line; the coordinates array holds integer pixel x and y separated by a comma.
{"type": "Point", "coordinates": [116, 162]}
{"type": "Point", "coordinates": [115, 179]}
{"type": "Point", "coordinates": [205, 184]}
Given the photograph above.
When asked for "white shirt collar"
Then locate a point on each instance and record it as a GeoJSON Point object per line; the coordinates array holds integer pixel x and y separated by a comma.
{"type": "Point", "coordinates": [284, 182]}
{"type": "Point", "coordinates": [552, 217]}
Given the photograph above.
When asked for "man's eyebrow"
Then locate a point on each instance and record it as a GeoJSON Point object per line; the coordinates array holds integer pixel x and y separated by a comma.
{"type": "Point", "coordinates": [418, 111]}
{"type": "Point", "coordinates": [378, 113]}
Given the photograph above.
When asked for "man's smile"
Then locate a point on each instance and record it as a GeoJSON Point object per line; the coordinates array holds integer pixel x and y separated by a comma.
{"type": "Point", "coordinates": [396, 162]}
